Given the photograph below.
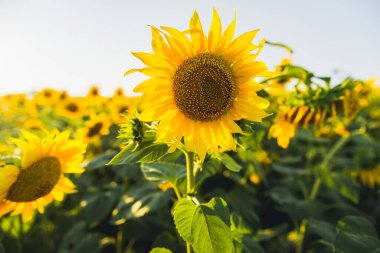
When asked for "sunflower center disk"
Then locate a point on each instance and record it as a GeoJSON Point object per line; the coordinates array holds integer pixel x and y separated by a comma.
{"type": "Point", "coordinates": [35, 181]}
{"type": "Point", "coordinates": [95, 129]}
{"type": "Point", "coordinates": [204, 87]}
{"type": "Point", "coordinates": [72, 107]}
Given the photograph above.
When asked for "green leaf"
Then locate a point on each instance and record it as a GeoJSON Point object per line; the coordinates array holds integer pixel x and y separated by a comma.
{"type": "Point", "coordinates": [100, 204]}
{"type": "Point", "coordinates": [343, 184]}
{"type": "Point", "coordinates": [322, 228]}
{"type": "Point", "coordinates": [138, 202]}
{"type": "Point", "coordinates": [242, 235]}
{"type": "Point", "coordinates": [209, 233]}
{"type": "Point", "coordinates": [287, 170]}
{"type": "Point", "coordinates": [356, 234]}
{"type": "Point", "coordinates": [230, 163]}
{"type": "Point", "coordinates": [238, 228]}
{"type": "Point", "coordinates": [160, 250]}
{"type": "Point", "coordinates": [2, 250]}
{"type": "Point", "coordinates": [251, 246]}
{"type": "Point", "coordinates": [202, 227]}
{"type": "Point", "coordinates": [245, 204]}
{"type": "Point", "coordinates": [99, 162]}
{"type": "Point", "coordinates": [282, 195]}
{"type": "Point", "coordinates": [144, 152]}
{"type": "Point", "coordinates": [164, 172]}
{"type": "Point", "coordinates": [183, 218]}
{"type": "Point", "coordinates": [210, 168]}
{"type": "Point", "coordinates": [78, 239]}
{"type": "Point", "coordinates": [221, 208]}
{"type": "Point", "coordinates": [356, 225]}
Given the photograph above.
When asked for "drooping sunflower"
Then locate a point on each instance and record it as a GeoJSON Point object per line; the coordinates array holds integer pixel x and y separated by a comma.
{"type": "Point", "coordinates": [41, 179]}
{"type": "Point", "coordinates": [200, 85]}
{"type": "Point", "coordinates": [369, 177]}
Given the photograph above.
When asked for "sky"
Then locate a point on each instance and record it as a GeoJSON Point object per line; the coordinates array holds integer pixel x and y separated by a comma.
{"type": "Point", "coordinates": [73, 44]}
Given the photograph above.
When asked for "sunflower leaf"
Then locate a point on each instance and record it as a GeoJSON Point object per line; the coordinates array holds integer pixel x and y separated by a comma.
{"type": "Point", "coordinates": [143, 152]}
{"type": "Point", "coordinates": [160, 250]}
{"type": "Point", "coordinates": [202, 227]}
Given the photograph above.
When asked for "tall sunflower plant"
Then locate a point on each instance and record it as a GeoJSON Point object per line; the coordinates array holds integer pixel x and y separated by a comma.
{"type": "Point", "coordinates": [199, 87]}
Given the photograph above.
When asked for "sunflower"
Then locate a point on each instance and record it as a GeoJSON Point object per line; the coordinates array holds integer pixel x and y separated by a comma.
{"type": "Point", "coordinates": [72, 108]}
{"type": "Point", "coordinates": [119, 94]}
{"type": "Point", "coordinates": [200, 85]}
{"type": "Point", "coordinates": [283, 131]}
{"type": "Point", "coordinates": [97, 126]}
{"type": "Point", "coordinates": [41, 179]}
{"type": "Point", "coordinates": [47, 97]}
{"type": "Point", "coordinates": [277, 86]}
{"type": "Point", "coordinates": [369, 177]}
{"type": "Point", "coordinates": [94, 98]}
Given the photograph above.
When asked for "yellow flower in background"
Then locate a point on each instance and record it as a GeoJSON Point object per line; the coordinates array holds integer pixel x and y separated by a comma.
{"type": "Point", "coordinates": [120, 107]}
{"type": "Point", "coordinates": [369, 177]}
{"type": "Point", "coordinates": [33, 124]}
{"type": "Point", "coordinates": [97, 126]}
{"type": "Point", "coordinates": [41, 179]}
{"type": "Point", "coordinates": [94, 98]}
{"type": "Point", "coordinates": [283, 131]}
{"type": "Point", "coordinates": [15, 105]}
{"type": "Point", "coordinates": [277, 86]}
{"type": "Point", "coordinates": [119, 94]}
{"type": "Point", "coordinates": [200, 85]}
{"type": "Point", "coordinates": [94, 91]}
{"type": "Point", "coordinates": [47, 97]}
{"type": "Point", "coordinates": [72, 108]}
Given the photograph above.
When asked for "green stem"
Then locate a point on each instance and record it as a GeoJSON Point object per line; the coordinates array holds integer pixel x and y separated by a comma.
{"type": "Point", "coordinates": [316, 185]}
{"type": "Point", "coordinates": [324, 163]}
{"type": "Point", "coordinates": [119, 240]}
{"type": "Point", "coordinates": [300, 240]}
{"type": "Point", "coordinates": [177, 193]}
{"type": "Point", "coordinates": [190, 179]}
{"type": "Point", "coordinates": [190, 182]}
{"type": "Point", "coordinates": [315, 188]}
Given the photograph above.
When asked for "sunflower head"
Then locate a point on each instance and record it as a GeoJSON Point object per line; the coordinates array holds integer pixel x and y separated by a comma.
{"type": "Point", "coordinates": [200, 85]}
{"type": "Point", "coordinates": [72, 108]}
{"type": "Point", "coordinates": [97, 126]}
{"type": "Point", "coordinates": [41, 178]}
{"type": "Point", "coordinates": [47, 97]}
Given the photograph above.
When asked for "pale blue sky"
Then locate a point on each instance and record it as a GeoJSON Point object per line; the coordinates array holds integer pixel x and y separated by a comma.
{"type": "Point", "coordinates": [72, 44]}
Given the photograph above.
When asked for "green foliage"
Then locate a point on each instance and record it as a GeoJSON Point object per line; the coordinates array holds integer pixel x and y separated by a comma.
{"type": "Point", "coordinates": [160, 250]}
{"type": "Point", "coordinates": [205, 226]}
{"type": "Point", "coordinates": [356, 234]}
{"type": "Point", "coordinates": [242, 202]}
{"type": "Point", "coordinates": [140, 152]}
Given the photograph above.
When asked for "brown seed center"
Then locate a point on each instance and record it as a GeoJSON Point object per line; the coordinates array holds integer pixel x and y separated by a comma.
{"type": "Point", "coordinates": [95, 129]}
{"type": "Point", "coordinates": [204, 87]}
{"type": "Point", "coordinates": [35, 181]}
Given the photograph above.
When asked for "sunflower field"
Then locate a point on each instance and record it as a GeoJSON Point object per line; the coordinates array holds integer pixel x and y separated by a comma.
{"type": "Point", "coordinates": [216, 154]}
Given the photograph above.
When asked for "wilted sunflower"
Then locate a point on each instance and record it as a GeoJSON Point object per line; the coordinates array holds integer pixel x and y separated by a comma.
{"type": "Point", "coordinates": [41, 179]}
{"type": "Point", "coordinates": [199, 86]}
